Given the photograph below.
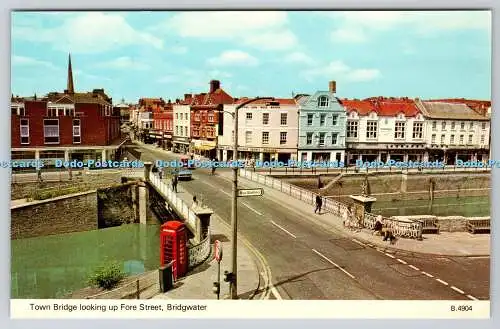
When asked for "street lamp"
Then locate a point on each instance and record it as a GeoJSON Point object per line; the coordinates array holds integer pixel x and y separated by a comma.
{"type": "Point", "coordinates": [234, 204]}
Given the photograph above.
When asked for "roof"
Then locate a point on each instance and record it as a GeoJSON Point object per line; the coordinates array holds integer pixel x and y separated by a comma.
{"type": "Point", "coordinates": [383, 106]}
{"type": "Point", "coordinates": [480, 106]}
{"type": "Point", "coordinates": [219, 96]}
{"type": "Point", "coordinates": [88, 98]}
{"type": "Point", "coordinates": [445, 110]}
{"type": "Point", "coordinates": [279, 101]}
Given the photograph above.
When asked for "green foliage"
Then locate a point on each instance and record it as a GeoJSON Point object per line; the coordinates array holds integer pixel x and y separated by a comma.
{"type": "Point", "coordinates": [107, 276]}
{"type": "Point", "coordinates": [40, 194]}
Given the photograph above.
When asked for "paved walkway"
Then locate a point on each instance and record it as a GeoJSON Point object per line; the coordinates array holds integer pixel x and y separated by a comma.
{"type": "Point", "coordinates": [198, 283]}
{"type": "Point", "coordinates": [445, 243]}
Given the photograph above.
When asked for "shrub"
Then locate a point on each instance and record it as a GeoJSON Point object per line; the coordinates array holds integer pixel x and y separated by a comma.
{"type": "Point", "coordinates": [107, 277]}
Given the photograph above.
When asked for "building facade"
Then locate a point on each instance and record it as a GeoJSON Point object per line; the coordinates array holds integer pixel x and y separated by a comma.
{"type": "Point", "coordinates": [181, 140]}
{"type": "Point", "coordinates": [383, 129]}
{"type": "Point", "coordinates": [322, 127]}
{"type": "Point", "coordinates": [69, 125]}
{"type": "Point", "coordinates": [454, 131]}
{"type": "Point", "coordinates": [267, 130]}
{"type": "Point", "coordinates": [163, 123]}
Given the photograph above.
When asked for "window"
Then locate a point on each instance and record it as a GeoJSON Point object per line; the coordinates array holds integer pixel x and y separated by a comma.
{"type": "Point", "coordinates": [482, 139]}
{"type": "Point", "coordinates": [433, 139]}
{"type": "Point", "coordinates": [334, 138]}
{"type": "Point", "coordinates": [322, 119]}
{"type": "Point", "coordinates": [323, 101]}
{"type": "Point", "coordinates": [452, 139]}
{"type": "Point", "coordinates": [434, 125]}
{"type": "Point", "coordinates": [470, 140]}
{"type": "Point", "coordinates": [399, 132]}
{"type": "Point", "coordinates": [371, 129]}
{"type": "Point", "coordinates": [418, 128]}
{"type": "Point", "coordinates": [321, 139]}
{"type": "Point", "coordinates": [471, 125]}
{"type": "Point", "coordinates": [443, 125]}
{"type": "Point", "coordinates": [211, 117]}
{"type": "Point", "coordinates": [13, 110]}
{"type": "Point", "coordinates": [177, 130]}
{"type": "Point", "coordinates": [483, 126]}
{"type": "Point", "coordinates": [51, 112]}
{"type": "Point", "coordinates": [334, 120]}
{"type": "Point", "coordinates": [197, 117]}
{"type": "Point", "coordinates": [284, 118]}
{"type": "Point", "coordinates": [177, 116]}
{"type": "Point", "coordinates": [443, 139]}
{"type": "Point", "coordinates": [249, 116]}
{"type": "Point", "coordinates": [462, 125]}
{"type": "Point", "coordinates": [309, 138]}
{"type": "Point", "coordinates": [265, 118]}
{"type": "Point", "coordinates": [453, 125]}
{"type": "Point", "coordinates": [25, 131]}
{"type": "Point", "coordinates": [248, 137]}
{"type": "Point", "coordinates": [76, 131]}
{"type": "Point", "coordinates": [282, 138]}
{"type": "Point", "coordinates": [309, 119]}
{"type": "Point", "coordinates": [265, 137]}
{"type": "Point", "coordinates": [232, 136]}
{"type": "Point", "coordinates": [461, 139]}
{"type": "Point", "coordinates": [51, 131]}
{"type": "Point", "coordinates": [352, 129]}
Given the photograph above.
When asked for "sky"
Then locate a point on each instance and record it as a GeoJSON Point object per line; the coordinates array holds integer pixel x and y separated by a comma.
{"type": "Point", "coordinates": [433, 54]}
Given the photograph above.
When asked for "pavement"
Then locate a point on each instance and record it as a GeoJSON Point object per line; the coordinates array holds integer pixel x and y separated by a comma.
{"type": "Point", "coordinates": [307, 257]}
{"type": "Point", "coordinates": [199, 282]}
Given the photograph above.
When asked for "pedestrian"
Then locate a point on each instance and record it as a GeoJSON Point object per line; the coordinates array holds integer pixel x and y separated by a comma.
{"type": "Point", "coordinates": [174, 183]}
{"type": "Point", "coordinates": [213, 166]}
{"type": "Point", "coordinates": [388, 235]}
{"type": "Point", "coordinates": [160, 172]}
{"type": "Point", "coordinates": [377, 230]}
{"type": "Point", "coordinates": [319, 203]}
{"type": "Point", "coordinates": [195, 202]}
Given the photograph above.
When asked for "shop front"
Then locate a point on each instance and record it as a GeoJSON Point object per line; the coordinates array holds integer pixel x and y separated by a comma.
{"type": "Point", "coordinates": [181, 144]}
{"type": "Point", "coordinates": [204, 148]}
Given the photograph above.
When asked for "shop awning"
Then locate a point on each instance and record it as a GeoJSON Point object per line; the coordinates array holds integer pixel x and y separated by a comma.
{"type": "Point", "coordinates": [204, 147]}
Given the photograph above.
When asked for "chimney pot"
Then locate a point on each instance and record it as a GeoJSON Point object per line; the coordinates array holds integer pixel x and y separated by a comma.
{"type": "Point", "coordinates": [332, 86]}
{"type": "Point", "coordinates": [214, 85]}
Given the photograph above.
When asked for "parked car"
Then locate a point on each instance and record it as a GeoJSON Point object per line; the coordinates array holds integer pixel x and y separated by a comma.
{"type": "Point", "coordinates": [183, 174]}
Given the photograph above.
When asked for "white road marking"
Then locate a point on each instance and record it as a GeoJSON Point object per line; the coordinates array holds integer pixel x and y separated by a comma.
{"type": "Point", "coordinates": [282, 228]}
{"type": "Point", "coordinates": [429, 275]}
{"type": "Point", "coordinates": [390, 255]}
{"type": "Point", "coordinates": [252, 209]}
{"type": "Point", "coordinates": [329, 261]}
{"type": "Point", "coordinates": [457, 290]}
{"type": "Point", "coordinates": [441, 281]}
{"type": "Point", "coordinates": [359, 242]}
{"type": "Point", "coordinates": [414, 267]}
{"type": "Point", "coordinates": [401, 261]}
{"type": "Point", "coordinates": [472, 297]}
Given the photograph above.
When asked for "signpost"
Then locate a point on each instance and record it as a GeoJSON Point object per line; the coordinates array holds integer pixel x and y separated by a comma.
{"type": "Point", "coordinates": [218, 258]}
{"type": "Point", "coordinates": [250, 192]}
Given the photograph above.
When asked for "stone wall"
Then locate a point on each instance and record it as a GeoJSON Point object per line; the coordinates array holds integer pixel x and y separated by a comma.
{"type": "Point", "coordinates": [65, 214]}
{"type": "Point", "coordinates": [117, 205]}
{"type": "Point", "coordinates": [446, 224]}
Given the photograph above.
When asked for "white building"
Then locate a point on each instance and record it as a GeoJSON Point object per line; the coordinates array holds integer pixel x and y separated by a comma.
{"type": "Point", "coordinates": [455, 132]}
{"type": "Point", "coordinates": [267, 130]}
{"type": "Point", "coordinates": [383, 129]}
{"type": "Point", "coordinates": [182, 127]}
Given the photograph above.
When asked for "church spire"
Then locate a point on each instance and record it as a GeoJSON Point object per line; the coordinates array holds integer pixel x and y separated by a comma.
{"type": "Point", "coordinates": [70, 87]}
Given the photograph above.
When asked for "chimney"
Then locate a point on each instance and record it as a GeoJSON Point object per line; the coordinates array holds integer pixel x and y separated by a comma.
{"type": "Point", "coordinates": [214, 85]}
{"type": "Point", "coordinates": [332, 86]}
{"type": "Point", "coordinates": [187, 96]}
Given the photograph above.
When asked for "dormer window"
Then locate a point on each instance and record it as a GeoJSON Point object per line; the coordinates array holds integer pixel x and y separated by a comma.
{"type": "Point", "coordinates": [323, 101]}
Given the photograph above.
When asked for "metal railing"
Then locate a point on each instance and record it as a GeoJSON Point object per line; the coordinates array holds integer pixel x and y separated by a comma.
{"type": "Point", "coordinates": [197, 254]}
{"type": "Point", "coordinates": [144, 286]}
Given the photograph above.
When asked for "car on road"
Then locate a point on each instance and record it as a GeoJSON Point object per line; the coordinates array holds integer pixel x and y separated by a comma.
{"type": "Point", "coordinates": [186, 164]}
{"type": "Point", "coordinates": [183, 174]}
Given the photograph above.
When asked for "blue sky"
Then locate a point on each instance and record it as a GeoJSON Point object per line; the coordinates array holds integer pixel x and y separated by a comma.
{"type": "Point", "coordinates": [167, 54]}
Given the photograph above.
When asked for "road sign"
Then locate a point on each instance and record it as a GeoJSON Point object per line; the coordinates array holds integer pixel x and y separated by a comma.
{"type": "Point", "coordinates": [251, 192]}
{"type": "Point", "coordinates": [218, 250]}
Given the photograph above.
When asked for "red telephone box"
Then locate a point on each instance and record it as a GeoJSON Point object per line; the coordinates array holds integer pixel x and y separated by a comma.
{"type": "Point", "coordinates": [173, 247]}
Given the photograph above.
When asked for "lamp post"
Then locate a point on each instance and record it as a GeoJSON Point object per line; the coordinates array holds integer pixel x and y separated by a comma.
{"type": "Point", "coordinates": [234, 204]}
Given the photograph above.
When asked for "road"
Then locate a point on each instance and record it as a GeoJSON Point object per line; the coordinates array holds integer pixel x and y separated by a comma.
{"type": "Point", "coordinates": [309, 262]}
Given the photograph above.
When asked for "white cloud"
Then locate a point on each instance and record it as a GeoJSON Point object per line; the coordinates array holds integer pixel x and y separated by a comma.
{"type": "Point", "coordinates": [357, 25]}
{"type": "Point", "coordinates": [343, 71]}
{"type": "Point", "coordinates": [29, 61]}
{"type": "Point", "coordinates": [299, 57]}
{"type": "Point", "coordinates": [233, 57]}
{"type": "Point", "coordinates": [124, 63]}
{"type": "Point", "coordinates": [90, 32]}
{"type": "Point", "coordinates": [262, 29]}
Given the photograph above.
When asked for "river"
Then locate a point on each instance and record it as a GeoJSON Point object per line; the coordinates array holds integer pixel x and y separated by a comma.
{"type": "Point", "coordinates": [52, 266]}
{"type": "Point", "coordinates": [464, 206]}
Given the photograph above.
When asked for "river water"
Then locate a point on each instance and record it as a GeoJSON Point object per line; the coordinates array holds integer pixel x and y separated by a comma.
{"type": "Point", "coordinates": [464, 206]}
{"type": "Point", "coordinates": [52, 266]}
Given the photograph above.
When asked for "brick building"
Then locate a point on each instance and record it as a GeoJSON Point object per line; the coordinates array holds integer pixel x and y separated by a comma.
{"type": "Point", "coordinates": [68, 125]}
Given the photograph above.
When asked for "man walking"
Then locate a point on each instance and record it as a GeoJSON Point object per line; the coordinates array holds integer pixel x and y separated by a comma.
{"type": "Point", "coordinates": [174, 183]}
{"type": "Point", "coordinates": [319, 203]}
